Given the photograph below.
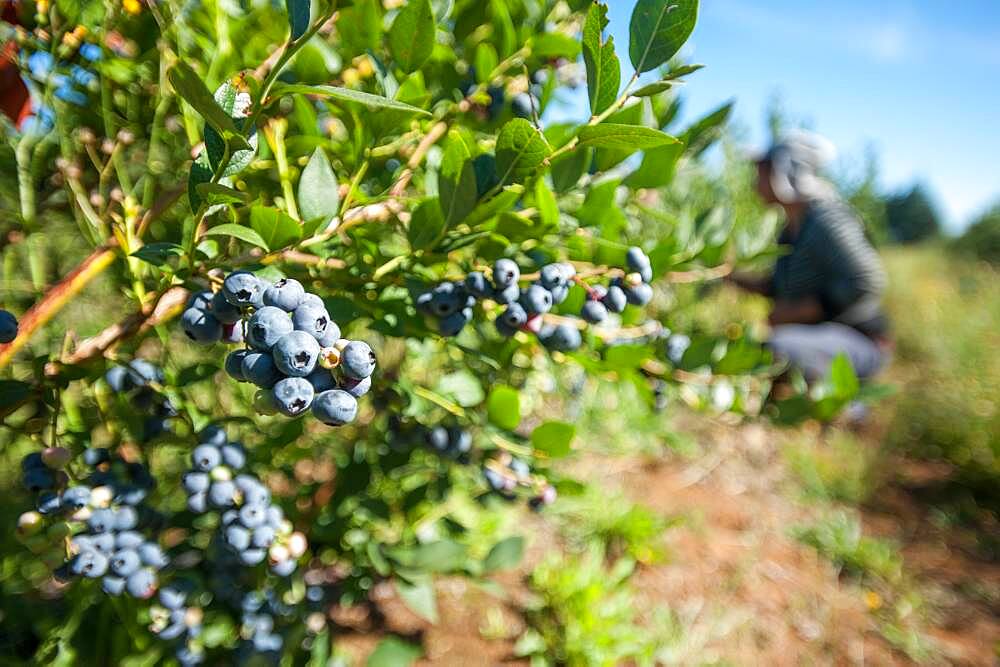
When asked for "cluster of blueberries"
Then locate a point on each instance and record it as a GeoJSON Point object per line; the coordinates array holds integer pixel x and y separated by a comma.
{"type": "Point", "coordinates": [173, 620]}
{"type": "Point", "coordinates": [451, 303]}
{"type": "Point", "coordinates": [504, 473]}
{"type": "Point", "coordinates": [109, 504]}
{"type": "Point", "coordinates": [294, 352]}
{"type": "Point", "coordinates": [8, 326]}
{"type": "Point", "coordinates": [253, 528]}
{"type": "Point", "coordinates": [451, 442]}
{"type": "Point", "coordinates": [259, 609]}
{"type": "Point", "coordinates": [133, 382]}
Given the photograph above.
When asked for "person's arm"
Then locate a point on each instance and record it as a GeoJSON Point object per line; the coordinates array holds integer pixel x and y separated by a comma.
{"type": "Point", "coordinates": [754, 283]}
{"type": "Point", "coordinates": [807, 310]}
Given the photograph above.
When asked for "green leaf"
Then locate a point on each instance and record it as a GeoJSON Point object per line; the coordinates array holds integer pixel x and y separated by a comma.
{"type": "Point", "coordinates": [157, 254]}
{"type": "Point", "coordinates": [318, 194]}
{"type": "Point", "coordinates": [553, 45]}
{"type": "Point", "coordinates": [658, 29]}
{"type": "Point", "coordinates": [276, 228]}
{"type": "Point", "coordinates": [426, 225]}
{"type": "Point", "coordinates": [603, 69]}
{"type": "Point", "coordinates": [190, 87]}
{"type": "Point", "coordinates": [419, 596]}
{"type": "Point", "coordinates": [706, 129]}
{"type": "Point", "coordinates": [239, 232]}
{"type": "Point", "coordinates": [545, 202]}
{"type": "Point", "coordinates": [652, 89]}
{"type": "Point", "coordinates": [438, 556]}
{"type": "Point", "coordinates": [411, 38]}
{"type": "Point", "coordinates": [504, 555]}
{"type": "Point", "coordinates": [374, 102]}
{"type": "Point", "coordinates": [520, 151]}
{"type": "Point", "coordinates": [226, 96]}
{"type": "Point", "coordinates": [462, 387]}
{"type": "Point", "coordinates": [394, 652]}
{"type": "Point", "coordinates": [504, 407]}
{"type": "Point", "coordinates": [486, 60]}
{"type": "Point", "coordinates": [843, 379]}
{"type": "Point", "coordinates": [681, 71]}
{"type": "Point", "coordinates": [12, 394]}
{"type": "Point", "coordinates": [457, 180]}
{"type": "Point", "coordinates": [625, 137]}
{"type": "Point", "coordinates": [553, 438]}
{"type": "Point", "coordinates": [298, 16]}
{"type": "Point", "coordinates": [657, 167]}
{"type": "Point", "coordinates": [216, 193]}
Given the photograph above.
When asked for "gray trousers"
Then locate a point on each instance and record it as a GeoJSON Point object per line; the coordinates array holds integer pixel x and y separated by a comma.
{"type": "Point", "coordinates": [812, 347]}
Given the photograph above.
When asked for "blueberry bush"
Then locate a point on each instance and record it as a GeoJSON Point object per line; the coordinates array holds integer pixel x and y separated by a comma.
{"type": "Point", "coordinates": [220, 216]}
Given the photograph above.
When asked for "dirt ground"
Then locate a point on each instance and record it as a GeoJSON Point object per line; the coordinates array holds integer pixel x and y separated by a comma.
{"type": "Point", "coordinates": [746, 592]}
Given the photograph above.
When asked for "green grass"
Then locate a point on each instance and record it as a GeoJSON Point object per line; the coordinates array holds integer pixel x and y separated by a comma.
{"type": "Point", "coordinates": [835, 468]}
{"type": "Point", "coordinates": [840, 539]}
{"type": "Point", "coordinates": [946, 315]}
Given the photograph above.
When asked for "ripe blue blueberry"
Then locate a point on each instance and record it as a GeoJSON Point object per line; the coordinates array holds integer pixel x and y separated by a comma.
{"type": "Point", "coordinates": [459, 441]}
{"type": "Point", "coordinates": [243, 289]}
{"type": "Point", "coordinates": [195, 482]}
{"type": "Point", "coordinates": [593, 311]}
{"type": "Point", "coordinates": [638, 262]}
{"type": "Point", "coordinates": [286, 294]}
{"type": "Point", "coordinates": [536, 300]}
{"type": "Point", "coordinates": [357, 360]}
{"type": "Point", "coordinates": [125, 518]}
{"type": "Point", "coordinates": [8, 326]}
{"type": "Point", "coordinates": [201, 300]}
{"type": "Point", "coordinates": [284, 568]}
{"type": "Point", "coordinates": [39, 479]}
{"type": "Point", "coordinates": [253, 515]}
{"type": "Point", "coordinates": [237, 537]}
{"type": "Point", "coordinates": [266, 326]}
{"type": "Point", "coordinates": [173, 596]}
{"type": "Point", "coordinates": [330, 336]}
{"type": "Point", "coordinates": [559, 293]}
{"type": "Point", "coordinates": [222, 493]}
{"type": "Point", "coordinates": [125, 562]}
{"type": "Point", "coordinates": [233, 455]}
{"type": "Point", "coordinates": [152, 555]}
{"type": "Point", "coordinates": [437, 438]}
{"type": "Point", "coordinates": [356, 388]}
{"type": "Point", "coordinates": [48, 503]}
{"type": "Point", "coordinates": [224, 311]}
{"type": "Point", "coordinates": [296, 353]}
{"type": "Point", "coordinates": [198, 502]}
{"type": "Point", "coordinates": [639, 295]}
{"type": "Point", "coordinates": [335, 407]}
{"type": "Point", "coordinates": [76, 497]}
{"type": "Point", "coordinates": [262, 536]}
{"type": "Point", "coordinates": [314, 321]}
{"type": "Point", "coordinates": [113, 586]}
{"type": "Point", "coordinates": [477, 285]}
{"type": "Point", "coordinates": [252, 556]}
{"type": "Point", "coordinates": [141, 584]}
{"type": "Point", "coordinates": [293, 396]}
{"type": "Point", "coordinates": [206, 457]}
{"type": "Point", "coordinates": [126, 539]}
{"type": "Point", "coordinates": [234, 365]}
{"type": "Point", "coordinates": [213, 434]}
{"type": "Point", "coordinates": [117, 378]}
{"type": "Point", "coordinates": [514, 317]}
{"type": "Point", "coordinates": [562, 338]}
{"type": "Point", "coordinates": [101, 520]}
{"type": "Point", "coordinates": [505, 273]}
{"type": "Point", "coordinates": [507, 295]}
{"type": "Point", "coordinates": [312, 300]}
{"type": "Point", "coordinates": [259, 368]}
{"type": "Point", "coordinates": [321, 379]}
{"type": "Point", "coordinates": [552, 276]}
{"type": "Point", "coordinates": [452, 325]}
{"type": "Point", "coordinates": [447, 298]}
{"type": "Point", "coordinates": [90, 564]}
{"type": "Point", "coordinates": [615, 300]}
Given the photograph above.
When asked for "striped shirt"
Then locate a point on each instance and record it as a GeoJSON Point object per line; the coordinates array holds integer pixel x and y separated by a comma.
{"type": "Point", "coordinates": [831, 260]}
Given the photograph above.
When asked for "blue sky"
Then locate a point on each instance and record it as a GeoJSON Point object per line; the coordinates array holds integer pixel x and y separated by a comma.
{"type": "Point", "coordinates": [919, 80]}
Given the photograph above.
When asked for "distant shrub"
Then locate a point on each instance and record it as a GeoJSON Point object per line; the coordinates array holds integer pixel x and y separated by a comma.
{"type": "Point", "coordinates": [982, 238]}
